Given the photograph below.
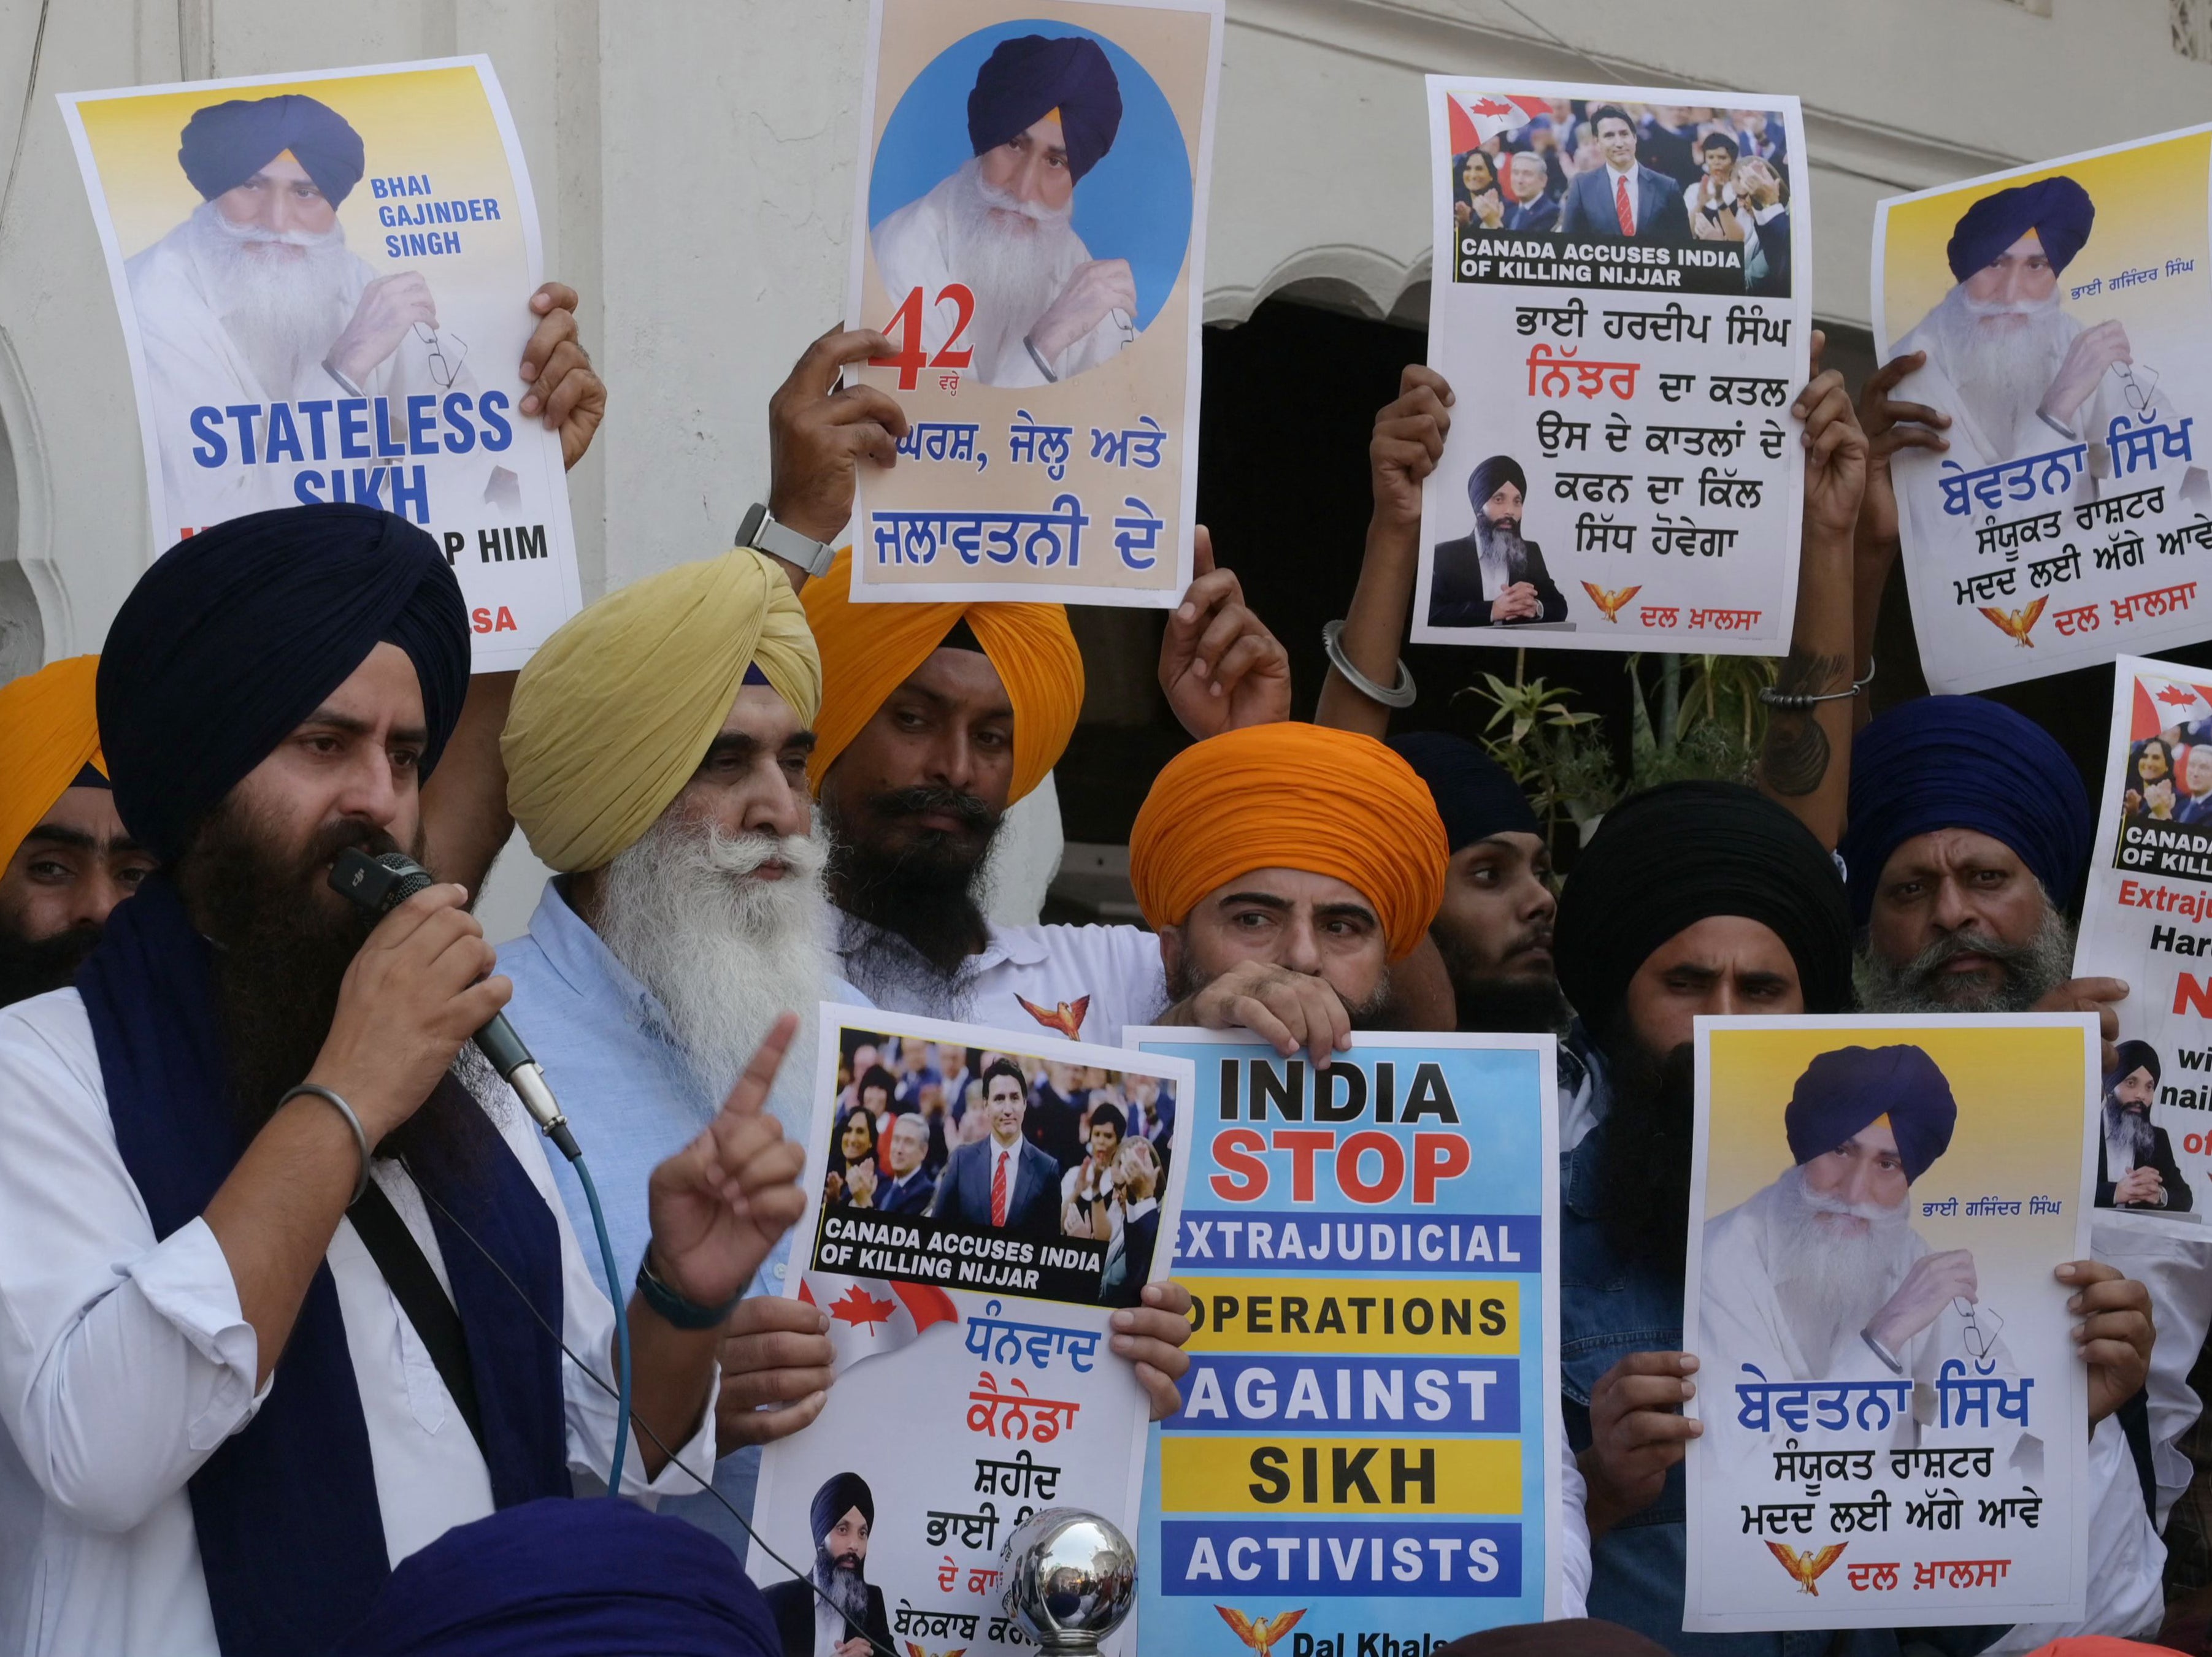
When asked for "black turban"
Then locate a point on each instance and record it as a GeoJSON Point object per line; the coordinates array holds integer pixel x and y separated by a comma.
{"type": "Point", "coordinates": [837, 1497]}
{"type": "Point", "coordinates": [1842, 1091]}
{"type": "Point", "coordinates": [1025, 79]}
{"type": "Point", "coordinates": [2132, 1057]}
{"type": "Point", "coordinates": [1474, 794]}
{"type": "Point", "coordinates": [1494, 475]}
{"type": "Point", "coordinates": [237, 633]}
{"type": "Point", "coordinates": [2057, 209]}
{"type": "Point", "coordinates": [1667, 858]}
{"type": "Point", "coordinates": [226, 144]}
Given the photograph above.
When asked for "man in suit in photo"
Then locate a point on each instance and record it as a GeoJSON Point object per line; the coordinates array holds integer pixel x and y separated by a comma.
{"type": "Point", "coordinates": [2134, 1158]}
{"type": "Point", "coordinates": [909, 1190]}
{"type": "Point", "coordinates": [1002, 1181]}
{"type": "Point", "coordinates": [1491, 575]}
{"type": "Point", "coordinates": [1529, 204]}
{"type": "Point", "coordinates": [1624, 198]}
{"type": "Point", "coordinates": [848, 1614]}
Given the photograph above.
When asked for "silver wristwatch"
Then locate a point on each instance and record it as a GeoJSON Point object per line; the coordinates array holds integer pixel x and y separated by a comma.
{"type": "Point", "coordinates": [760, 531]}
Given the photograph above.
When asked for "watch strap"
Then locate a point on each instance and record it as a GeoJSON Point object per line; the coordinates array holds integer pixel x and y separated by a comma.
{"type": "Point", "coordinates": [762, 533]}
{"type": "Point", "coordinates": [671, 1307]}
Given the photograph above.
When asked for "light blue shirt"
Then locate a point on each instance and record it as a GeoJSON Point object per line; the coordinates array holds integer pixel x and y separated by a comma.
{"type": "Point", "coordinates": [628, 1091]}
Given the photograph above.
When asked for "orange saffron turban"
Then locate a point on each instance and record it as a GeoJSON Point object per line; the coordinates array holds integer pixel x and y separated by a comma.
{"type": "Point", "coordinates": [868, 650]}
{"type": "Point", "coordinates": [48, 734]}
{"type": "Point", "coordinates": [1291, 796]}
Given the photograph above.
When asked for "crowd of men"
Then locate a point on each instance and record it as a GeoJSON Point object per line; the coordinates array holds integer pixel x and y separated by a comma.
{"type": "Point", "coordinates": [241, 1113]}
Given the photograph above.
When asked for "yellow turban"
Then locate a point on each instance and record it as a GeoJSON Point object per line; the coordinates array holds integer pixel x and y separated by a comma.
{"type": "Point", "coordinates": [1291, 796]}
{"type": "Point", "coordinates": [48, 734]}
{"type": "Point", "coordinates": [868, 650]}
{"type": "Point", "coordinates": [616, 709]}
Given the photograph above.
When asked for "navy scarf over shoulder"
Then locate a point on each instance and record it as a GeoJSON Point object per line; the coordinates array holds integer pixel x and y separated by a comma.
{"type": "Point", "coordinates": [291, 1538]}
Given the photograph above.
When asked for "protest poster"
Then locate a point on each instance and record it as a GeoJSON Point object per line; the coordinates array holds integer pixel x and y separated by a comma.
{"type": "Point", "coordinates": [324, 282]}
{"type": "Point", "coordinates": [2147, 920]}
{"type": "Point", "coordinates": [2060, 308]}
{"type": "Point", "coordinates": [1005, 1398]}
{"type": "Point", "coordinates": [1030, 231]}
{"type": "Point", "coordinates": [1893, 1407]}
{"type": "Point", "coordinates": [1621, 302]}
{"type": "Point", "coordinates": [1367, 1449]}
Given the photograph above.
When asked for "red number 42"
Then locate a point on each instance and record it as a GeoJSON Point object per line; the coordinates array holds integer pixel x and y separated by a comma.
{"type": "Point", "coordinates": [906, 328]}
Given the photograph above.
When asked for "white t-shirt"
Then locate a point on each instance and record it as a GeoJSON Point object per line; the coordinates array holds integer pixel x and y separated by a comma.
{"type": "Point", "coordinates": [1080, 983]}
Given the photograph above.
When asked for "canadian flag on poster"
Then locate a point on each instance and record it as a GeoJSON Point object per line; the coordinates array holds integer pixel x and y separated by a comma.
{"type": "Point", "coordinates": [1477, 117]}
{"type": "Point", "coordinates": [869, 1316]}
{"type": "Point", "coordinates": [2163, 704]}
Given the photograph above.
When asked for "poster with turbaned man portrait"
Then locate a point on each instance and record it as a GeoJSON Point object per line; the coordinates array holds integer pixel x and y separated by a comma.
{"type": "Point", "coordinates": [324, 282]}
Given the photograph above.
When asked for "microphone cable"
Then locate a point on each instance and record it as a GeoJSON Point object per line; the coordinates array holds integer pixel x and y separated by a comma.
{"type": "Point", "coordinates": [613, 1294]}
{"type": "Point", "coordinates": [622, 1396]}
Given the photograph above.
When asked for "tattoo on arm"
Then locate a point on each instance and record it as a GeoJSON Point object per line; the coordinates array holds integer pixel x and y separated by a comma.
{"type": "Point", "coordinates": [1795, 757]}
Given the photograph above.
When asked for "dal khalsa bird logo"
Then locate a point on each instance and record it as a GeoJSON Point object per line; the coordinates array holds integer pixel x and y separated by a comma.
{"type": "Point", "coordinates": [913, 1650]}
{"type": "Point", "coordinates": [2017, 624]}
{"type": "Point", "coordinates": [1807, 1567]}
{"type": "Point", "coordinates": [1262, 1635]}
{"type": "Point", "coordinates": [1610, 603]}
{"type": "Point", "coordinates": [1066, 1018]}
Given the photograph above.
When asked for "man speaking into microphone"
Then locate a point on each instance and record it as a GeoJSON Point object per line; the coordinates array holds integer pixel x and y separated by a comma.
{"type": "Point", "coordinates": [282, 1289]}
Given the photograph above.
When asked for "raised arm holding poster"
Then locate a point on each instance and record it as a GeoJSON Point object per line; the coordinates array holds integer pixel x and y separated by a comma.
{"type": "Point", "coordinates": [950, 1236]}
{"type": "Point", "coordinates": [1620, 306]}
{"type": "Point", "coordinates": [2060, 308]}
{"type": "Point", "coordinates": [1366, 1446]}
{"type": "Point", "coordinates": [1892, 1404]}
{"type": "Point", "coordinates": [1029, 232]}
{"type": "Point", "coordinates": [324, 282]}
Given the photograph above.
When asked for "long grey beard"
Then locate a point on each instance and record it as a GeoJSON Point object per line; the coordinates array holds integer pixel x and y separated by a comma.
{"type": "Point", "coordinates": [724, 955]}
{"type": "Point", "coordinates": [1830, 1284]}
{"type": "Point", "coordinates": [1015, 274]}
{"type": "Point", "coordinates": [1502, 553]}
{"type": "Point", "coordinates": [2124, 1129]}
{"type": "Point", "coordinates": [846, 1587]}
{"type": "Point", "coordinates": [2030, 973]}
{"type": "Point", "coordinates": [282, 311]}
{"type": "Point", "coordinates": [2001, 368]}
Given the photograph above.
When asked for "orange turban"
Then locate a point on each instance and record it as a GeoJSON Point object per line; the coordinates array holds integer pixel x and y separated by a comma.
{"type": "Point", "coordinates": [869, 649]}
{"type": "Point", "coordinates": [48, 734]}
{"type": "Point", "coordinates": [1291, 796]}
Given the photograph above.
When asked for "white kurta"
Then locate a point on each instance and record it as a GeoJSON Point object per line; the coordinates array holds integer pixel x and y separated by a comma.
{"type": "Point", "coordinates": [125, 1363]}
{"type": "Point", "coordinates": [913, 248]}
{"type": "Point", "coordinates": [1975, 445]}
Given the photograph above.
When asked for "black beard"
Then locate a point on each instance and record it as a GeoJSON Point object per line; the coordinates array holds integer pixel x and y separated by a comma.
{"type": "Point", "coordinates": [1644, 1180]}
{"type": "Point", "coordinates": [1380, 1011]}
{"type": "Point", "coordinates": [1500, 1003]}
{"type": "Point", "coordinates": [282, 942]}
{"type": "Point", "coordinates": [926, 891]}
{"type": "Point", "coordinates": [32, 967]}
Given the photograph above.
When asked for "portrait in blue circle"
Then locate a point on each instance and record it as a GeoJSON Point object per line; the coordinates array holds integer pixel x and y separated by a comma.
{"type": "Point", "coordinates": [1040, 168]}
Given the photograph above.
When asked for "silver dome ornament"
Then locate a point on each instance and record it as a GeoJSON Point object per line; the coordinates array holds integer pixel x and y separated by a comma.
{"type": "Point", "coordinates": [1071, 1580]}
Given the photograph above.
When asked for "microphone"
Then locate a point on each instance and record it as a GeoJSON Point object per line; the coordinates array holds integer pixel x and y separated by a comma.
{"type": "Point", "coordinates": [380, 884]}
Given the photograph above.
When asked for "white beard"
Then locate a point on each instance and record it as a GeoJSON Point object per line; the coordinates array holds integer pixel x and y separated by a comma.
{"type": "Point", "coordinates": [1014, 271]}
{"type": "Point", "coordinates": [2001, 369]}
{"type": "Point", "coordinates": [1830, 1284]}
{"type": "Point", "coordinates": [725, 955]}
{"type": "Point", "coordinates": [282, 311]}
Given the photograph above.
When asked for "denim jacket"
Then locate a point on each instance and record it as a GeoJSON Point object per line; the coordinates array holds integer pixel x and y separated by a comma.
{"type": "Point", "coordinates": [1610, 1307]}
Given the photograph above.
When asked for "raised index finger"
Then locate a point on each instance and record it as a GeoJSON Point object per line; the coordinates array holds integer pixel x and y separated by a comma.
{"type": "Point", "coordinates": [751, 1092]}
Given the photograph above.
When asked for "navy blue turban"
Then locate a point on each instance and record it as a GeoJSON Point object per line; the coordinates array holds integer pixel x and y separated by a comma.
{"type": "Point", "coordinates": [1842, 1091]}
{"type": "Point", "coordinates": [564, 1578]}
{"type": "Point", "coordinates": [1962, 762]}
{"type": "Point", "coordinates": [2057, 209]}
{"type": "Point", "coordinates": [1025, 79]}
{"type": "Point", "coordinates": [837, 1497]}
{"type": "Point", "coordinates": [237, 633]}
{"type": "Point", "coordinates": [1474, 795]}
{"type": "Point", "coordinates": [1667, 858]}
{"type": "Point", "coordinates": [1494, 475]}
{"type": "Point", "coordinates": [2132, 1057]}
{"type": "Point", "coordinates": [226, 144]}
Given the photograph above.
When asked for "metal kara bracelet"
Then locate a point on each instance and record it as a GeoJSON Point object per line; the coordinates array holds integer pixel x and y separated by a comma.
{"type": "Point", "coordinates": [360, 1138]}
{"type": "Point", "coordinates": [1791, 702]}
{"type": "Point", "coordinates": [1402, 697]}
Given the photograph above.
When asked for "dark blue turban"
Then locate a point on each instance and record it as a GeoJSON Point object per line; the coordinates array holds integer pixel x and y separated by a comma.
{"type": "Point", "coordinates": [1842, 1091]}
{"type": "Point", "coordinates": [1475, 796]}
{"type": "Point", "coordinates": [568, 1578]}
{"type": "Point", "coordinates": [2131, 1056]}
{"type": "Point", "coordinates": [2057, 209]}
{"type": "Point", "coordinates": [1667, 858]}
{"type": "Point", "coordinates": [1494, 475]}
{"type": "Point", "coordinates": [837, 1497]}
{"type": "Point", "coordinates": [226, 144]}
{"type": "Point", "coordinates": [1962, 762]}
{"type": "Point", "coordinates": [1025, 79]}
{"type": "Point", "coordinates": [237, 633]}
